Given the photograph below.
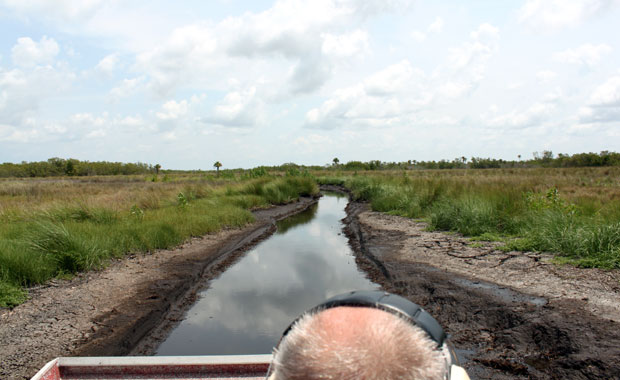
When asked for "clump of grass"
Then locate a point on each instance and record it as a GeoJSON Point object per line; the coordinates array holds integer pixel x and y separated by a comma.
{"type": "Point", "coordinates": [20, 265]}
{"type": "Point", "coordinates": [71, 252]}
{"type": "Point", "coordinates": [247, 201]}
{"type": "Point", "coordinates": [150, 200]}
{"type": "Point", "coordinates": [580, 242]}
{"type": "Point", "coordinates": [82, 213]}
{"type": "Point", "coordinates": [469, 216]}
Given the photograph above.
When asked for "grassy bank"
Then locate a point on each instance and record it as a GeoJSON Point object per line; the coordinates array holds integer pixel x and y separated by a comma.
{"type": "Point", "coordinates": [574, 213]}
{"type": "Point", "coordinates": [55, 228]}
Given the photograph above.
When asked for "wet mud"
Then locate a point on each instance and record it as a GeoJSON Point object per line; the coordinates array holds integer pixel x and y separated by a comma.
{"type": "Point", "coordinates": [498, 332]}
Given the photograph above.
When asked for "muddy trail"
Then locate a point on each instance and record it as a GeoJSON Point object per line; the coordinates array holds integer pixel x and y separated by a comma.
{"type": "Point", "coordinates": [519, 331]}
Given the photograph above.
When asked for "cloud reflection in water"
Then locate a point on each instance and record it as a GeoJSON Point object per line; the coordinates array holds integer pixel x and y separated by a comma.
{"type": "Point", "coordinates": [245, 310]}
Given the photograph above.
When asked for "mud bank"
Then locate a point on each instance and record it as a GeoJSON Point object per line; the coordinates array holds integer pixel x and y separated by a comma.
{"type": "Point", "coordinates": [511, 315]}
{"type": "Point", "coordinates": [122, 309]}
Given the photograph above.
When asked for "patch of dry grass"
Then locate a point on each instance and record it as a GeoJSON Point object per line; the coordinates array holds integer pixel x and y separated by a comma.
{"type": "Point", "coordinates": [51, 227]}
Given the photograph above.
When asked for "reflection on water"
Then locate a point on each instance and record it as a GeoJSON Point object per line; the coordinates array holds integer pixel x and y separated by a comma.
{"type": "Point", "coordinates": [245, 310]}
{"type": "Point", "coordinates": [297, 220]}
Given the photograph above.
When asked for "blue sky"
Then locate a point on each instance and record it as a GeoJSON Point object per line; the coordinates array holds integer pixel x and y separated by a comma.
{"type": "Point", "coordinates": [253, 83]}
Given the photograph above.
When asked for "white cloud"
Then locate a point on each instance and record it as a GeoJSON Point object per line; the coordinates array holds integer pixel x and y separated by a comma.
{"type": "Point", "coordinates": [546, 75]}
{"type": "Point", "coordinates": [240, 108]}
{"type": "Point", "coordinates": [468, 62]}
{"type": "Point", "coordinates": [538, 114]}
{"type": "Point", "coordinates": [391, 79]}
{"type": "Point", "coordinates": [9, 133]}
{"type": "Point", "coordinates": [607, 94]}
{"type": "Point", "coordinates": [484, 43]}
{"type": "Point", "coordinates": [587, 54]}
{"type": "Point", "coordinates": [307, 40]}
{"type": "Point", "coordinates": [60, 10]}
{"type": "Point", "coordinates": [71, 128]}
{"type": "Point", "coordinates": [301, 31]}
{"type": "Point", "coordinates": [352, 107]}
{"type": "Point", "coordinates": [333, 112]}
{"type": "Point", "coordinates": [345, 45]}
{"type": "Point", "coordinates": [486, 33]}
{"type": "Point", "coordinates": [87, 119]}
{"type": "Point", "coordinates": [188, 53]}
{"type": "Point", "coordinates": [604, 103]}
{"type": "Point", "coordinates": [418, 36]}
{"type": "Point", "coordinates": [108, 64]}
{"type": "Point", "coordinates": [126, 88]}
{"type": "Point", "coordinates": [314, 143]}
{"type": "Point", "coordinates": [172, 110]}
{"type": "Point", "coordinates": [558, 14]}
{"type": "Point", "coordinates": [86, 125]}
{"type": "Point", "coordinates": [436, 26]}
{"type": "Point", "coordinates": [28, 53]}
{"type": "Point", "coordinates": [453, 90]}
{"type": "Point", "coordinates": [131, 121]}
{"type": "Point", "coordinates": [395, 95]}
{"type": "Point", "coordinates": [23, 91]}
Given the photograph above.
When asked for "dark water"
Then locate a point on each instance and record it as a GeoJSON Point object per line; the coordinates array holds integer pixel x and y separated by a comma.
{"type": "Point", "coordinates": [247, 308]}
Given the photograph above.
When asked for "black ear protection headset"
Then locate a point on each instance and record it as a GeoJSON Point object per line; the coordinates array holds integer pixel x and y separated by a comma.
{"type": "Point", "coordinates": [396, 305]}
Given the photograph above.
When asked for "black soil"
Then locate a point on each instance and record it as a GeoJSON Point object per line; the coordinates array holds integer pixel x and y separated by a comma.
{"type": "Point", "coordinates": [498, 333]}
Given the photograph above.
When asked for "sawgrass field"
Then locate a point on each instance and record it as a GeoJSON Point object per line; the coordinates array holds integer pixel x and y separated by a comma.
{"type": "Point", "coordinates": [573, 212]}
{"type": "Point", "coordinates": [57, 226]}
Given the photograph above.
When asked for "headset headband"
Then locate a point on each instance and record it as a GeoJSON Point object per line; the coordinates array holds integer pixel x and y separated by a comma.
{"type": "Point", "coordinates": [391, 303]}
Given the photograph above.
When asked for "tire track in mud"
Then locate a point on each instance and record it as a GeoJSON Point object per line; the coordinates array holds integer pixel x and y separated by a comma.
{"type": "Point", "coordinates": [499, 333]}
{"type": "Point", "coordinates": [180, 288]}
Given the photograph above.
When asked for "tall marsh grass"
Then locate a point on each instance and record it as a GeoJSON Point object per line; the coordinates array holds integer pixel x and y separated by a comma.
{"type": "Point", "coordinates": [48, 234]}
{"type": "Point", "coordinates": [572, 212]}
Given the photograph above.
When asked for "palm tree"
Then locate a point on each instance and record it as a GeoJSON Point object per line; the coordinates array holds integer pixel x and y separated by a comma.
{"type": "Point", "coordinates": [336, 161]}
{"type": "Point", "coordinates": [217, 165]}
{"type": "Point", "coordinates": [157, 167]}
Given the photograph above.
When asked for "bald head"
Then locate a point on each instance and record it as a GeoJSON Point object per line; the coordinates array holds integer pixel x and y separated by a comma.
{"type": "Point", "coordinates": [356, 343]}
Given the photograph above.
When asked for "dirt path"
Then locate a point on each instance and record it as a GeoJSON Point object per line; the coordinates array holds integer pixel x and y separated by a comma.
{"type": "Point", "coordinates": [511, 315]}
{"type": "Point", "coordinates": [109, 312]}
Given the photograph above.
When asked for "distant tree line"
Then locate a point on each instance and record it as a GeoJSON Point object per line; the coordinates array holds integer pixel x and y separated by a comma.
{"type": "Point", "coordinates": [72, 167]}
{"type": "Point", "coordinates": [542, 159]}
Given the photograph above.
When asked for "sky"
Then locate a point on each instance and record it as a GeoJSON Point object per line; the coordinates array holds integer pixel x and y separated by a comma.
{"type": "Point", "coordinates": [249, 83]}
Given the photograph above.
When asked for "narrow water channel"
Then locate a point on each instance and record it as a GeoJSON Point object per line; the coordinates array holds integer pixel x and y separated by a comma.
{"type": "Point", "coordinates": [245, 310]}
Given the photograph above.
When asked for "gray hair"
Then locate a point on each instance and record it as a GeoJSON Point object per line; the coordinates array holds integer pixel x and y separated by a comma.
{"type": "Point", "coordinates": [383, 347]}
